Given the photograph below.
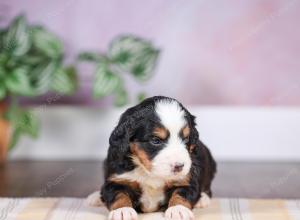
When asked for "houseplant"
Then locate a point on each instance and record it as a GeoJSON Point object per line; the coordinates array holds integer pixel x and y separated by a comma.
{"type": "Point", "coordinates": [31, 64]}
{"type": "Point", "coordinates": [126, 54]}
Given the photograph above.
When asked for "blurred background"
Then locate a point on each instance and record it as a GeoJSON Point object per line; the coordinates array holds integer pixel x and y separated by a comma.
{"type": "Point", "coordinates": [68, 69]}
{"type": "Point", "coordinates": [234, 64]}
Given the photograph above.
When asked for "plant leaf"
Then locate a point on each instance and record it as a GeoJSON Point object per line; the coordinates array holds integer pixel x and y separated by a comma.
{"type": "Point", "coordinates": [121, 97]}
{"type": "Point", "coordinates": [28, 123]}
{"type": "Point", "coordinates": [46, 42]}
{"type": "Point", "coordinates": [134, 55]}
{"type": "Point", "coordinates": [18, 82]}
{"type": "Point", "coordinates": [32, 59]}
{"type": "Point", "coordinates": [41, 77]}
{"type": "Point", "coordinates": [2, 72]}
{"type": "Point", "coordinates": [106, 82]}
{"type": "Point", "coordinates": [17, 39]}
{"type": "Point", "coordinates": [2, 90]}
{"type": "Point", "coordinates": [144, 65]}
{"type": "Point", "coordinates": [16, 134]}
{"type": "Point", "coordinates": [141, 96]}
{"type": "Point", "coordinates": [64, 80]}
{"type": "Point", "coordinates": [91, 56]}
{"type": "Point", "coordinates": [23, 122]}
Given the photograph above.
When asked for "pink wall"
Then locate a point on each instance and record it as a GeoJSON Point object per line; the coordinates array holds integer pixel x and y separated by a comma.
{"type": "Point", "coordinates": [214, 52]}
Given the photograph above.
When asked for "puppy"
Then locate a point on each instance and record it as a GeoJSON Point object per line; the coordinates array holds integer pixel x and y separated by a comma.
{"type": "Point", "coordinates": [156, 162]}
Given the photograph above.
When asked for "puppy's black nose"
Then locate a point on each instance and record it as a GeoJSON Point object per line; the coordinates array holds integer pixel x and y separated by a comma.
{"type": "Point", "coordinates": [178, 167]}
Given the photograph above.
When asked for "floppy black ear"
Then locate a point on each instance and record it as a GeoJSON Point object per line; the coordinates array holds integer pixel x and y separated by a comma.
{"type": "Point", "coordinates": [119, 138]}
{"type": "Point", "coordinates": [194, 135]}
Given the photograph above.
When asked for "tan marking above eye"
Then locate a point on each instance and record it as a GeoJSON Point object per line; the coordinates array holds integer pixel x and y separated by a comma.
{"type": "Point", "coordinates": [160, 132]}
{"type": "Point", "coordinates": [186, 131]}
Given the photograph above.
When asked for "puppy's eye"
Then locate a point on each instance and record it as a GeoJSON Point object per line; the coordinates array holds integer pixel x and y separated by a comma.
{"type": "Point", "coordinates": [186, 140]}
{"type": "Point", "coordinates": [156, 141]}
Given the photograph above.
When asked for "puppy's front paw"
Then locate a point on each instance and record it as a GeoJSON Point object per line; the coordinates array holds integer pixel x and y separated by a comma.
{"type": "Point", "coordinates": [125, 213]}
{"type": "Point", "coordinates": [179, 212]}
{"type": "Point", "coordinates": [204, 201]}
{"type": "Point", "coordinates": [94, 199]}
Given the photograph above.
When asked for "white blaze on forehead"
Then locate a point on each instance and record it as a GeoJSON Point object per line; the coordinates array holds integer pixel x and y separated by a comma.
{"type": "Point", "coordinates": [175, 151]}
{"type": "Point", "coordinates": [171, 115]}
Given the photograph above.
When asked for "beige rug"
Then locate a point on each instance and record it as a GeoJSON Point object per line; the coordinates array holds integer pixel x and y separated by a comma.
{"type": "Point", "coordinates": [75, 209]}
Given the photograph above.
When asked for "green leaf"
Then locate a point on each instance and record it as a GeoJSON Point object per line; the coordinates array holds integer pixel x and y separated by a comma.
{"type": "Point", "coordinates": [22, 122]}
{"type": "Point", "coordinates": [28, 123]}
{"type": "Point", "coordinates": [64, 81]}
{"type": "Point", "coordinates": [106, 82]}
{"type": "Point", "coordinates": [17, 39]}
{"type": "Point", "coordinates": [2, 90]}
{"type": "Point", "coordinates": [41, 77]}
{"type": "Point", "coordinates": [16, 134]}
{"type": "Point", "coordinates": [134, 55]}
{"type": "Point", "coordinates": [91, 56]}
{"type": "Point", "coordinates": [121, 97]}
{"type": "Point", "coordinates": [32, 59]}
{"type": "Point", "coordinates": [144, 66]}
{"type": "Point", "coordinates": [141, 96]}
{"type": "Point", "coordinates": [2, 72]}
{"type": "Point", "coordinates": [2, 34]}
{"type": "Point", "coordinates": [46, 42]}
{"type": "Point", "coordinates": [18, 82]}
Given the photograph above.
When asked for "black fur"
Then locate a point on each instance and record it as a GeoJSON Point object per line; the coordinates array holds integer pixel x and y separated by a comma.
{"type": "Point", "coordinates": [136, 123]}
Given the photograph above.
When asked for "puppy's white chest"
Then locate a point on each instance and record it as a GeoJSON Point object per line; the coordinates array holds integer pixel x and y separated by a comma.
{"type": "Point", "coordinates": [151, 198]}
{"type": "Point", "coordinates": [152, 189]}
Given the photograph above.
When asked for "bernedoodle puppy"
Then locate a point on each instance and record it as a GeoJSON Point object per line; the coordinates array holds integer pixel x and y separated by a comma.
{"type": "Point", "coordinates": [156, 162]}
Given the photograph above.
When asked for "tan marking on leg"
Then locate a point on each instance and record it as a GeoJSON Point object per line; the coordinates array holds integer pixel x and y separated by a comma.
{"type": "Point", "coordinates": [121, 200]}
{"type": "Point", "coordinates": [178, 200]}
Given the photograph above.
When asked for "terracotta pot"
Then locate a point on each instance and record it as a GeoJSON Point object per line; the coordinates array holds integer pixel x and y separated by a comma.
{"type": "Point", "coordinates": [4, 133]}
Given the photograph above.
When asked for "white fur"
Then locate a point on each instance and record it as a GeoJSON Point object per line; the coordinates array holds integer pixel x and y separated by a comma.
{"type": "Point", "coordinates": [204, 201]}
{"type": "Point", "coordinates": [172, 118]}
{"type": "Point", "coordinates": [153, 181]}
{"type": "Point", "coordinates": [94, 199]}
{"type": "Point", "coordinates": [179, 212]}
{"type": "Point", "coordinates": [125, 213]}
{"type": "Point", "coordinates": [152, 187]}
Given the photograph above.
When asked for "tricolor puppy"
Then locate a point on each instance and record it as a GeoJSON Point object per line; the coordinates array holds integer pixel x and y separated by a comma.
{"type": "Point", "coordinates": [156, 162]}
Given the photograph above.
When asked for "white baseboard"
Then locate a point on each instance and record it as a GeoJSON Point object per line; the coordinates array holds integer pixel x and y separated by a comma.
{"type": "Point", "coordinates": [232, 133]}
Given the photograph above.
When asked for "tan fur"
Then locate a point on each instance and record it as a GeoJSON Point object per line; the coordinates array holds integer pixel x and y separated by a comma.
{"type": "Point", "coordinates": [141, 155]}
{"type": "Point", "coordinates": [122, 200]}
{"type": "Point", "coordinates": [178, 200]}
{"type": "Point", "coordinates": [191, 148]}
{"type": "Point", "coordinates": [186, 131]}
{"type": "Point", "coordinates": [179, 183]}
{"type": "Point", "coordinates": [132, 184]}
{"type": "Point", "coordinates": [151, 197]}
{"type": "Point", "coordinates": [160, 132]}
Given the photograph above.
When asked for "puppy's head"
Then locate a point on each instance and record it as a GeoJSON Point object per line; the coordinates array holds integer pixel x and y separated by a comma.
{"type": "Point", "coordinates": [159, 135]}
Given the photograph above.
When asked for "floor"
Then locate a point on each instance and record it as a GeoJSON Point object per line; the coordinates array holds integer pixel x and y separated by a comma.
{"type": "Point", "coordinates": [79, 178]}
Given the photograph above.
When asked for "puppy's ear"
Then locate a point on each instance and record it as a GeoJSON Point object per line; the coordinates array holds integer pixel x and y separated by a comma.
{"type": "Point", "coordinates": [194, 135]}
{"type": "Point", "coordinates": [119, 138]}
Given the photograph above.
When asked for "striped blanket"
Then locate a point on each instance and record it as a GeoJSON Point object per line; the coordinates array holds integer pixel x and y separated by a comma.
{"type": "Point", "coordinates": [75, 209]}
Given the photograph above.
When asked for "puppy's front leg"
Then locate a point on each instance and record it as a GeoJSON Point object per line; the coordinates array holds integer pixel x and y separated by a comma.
{"type": "Point", "coordinates": [121, 208]}
{"type": "Point", "coordinates": [180, 206]}
{"type": "Point", "coordinates": [118, 202]}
